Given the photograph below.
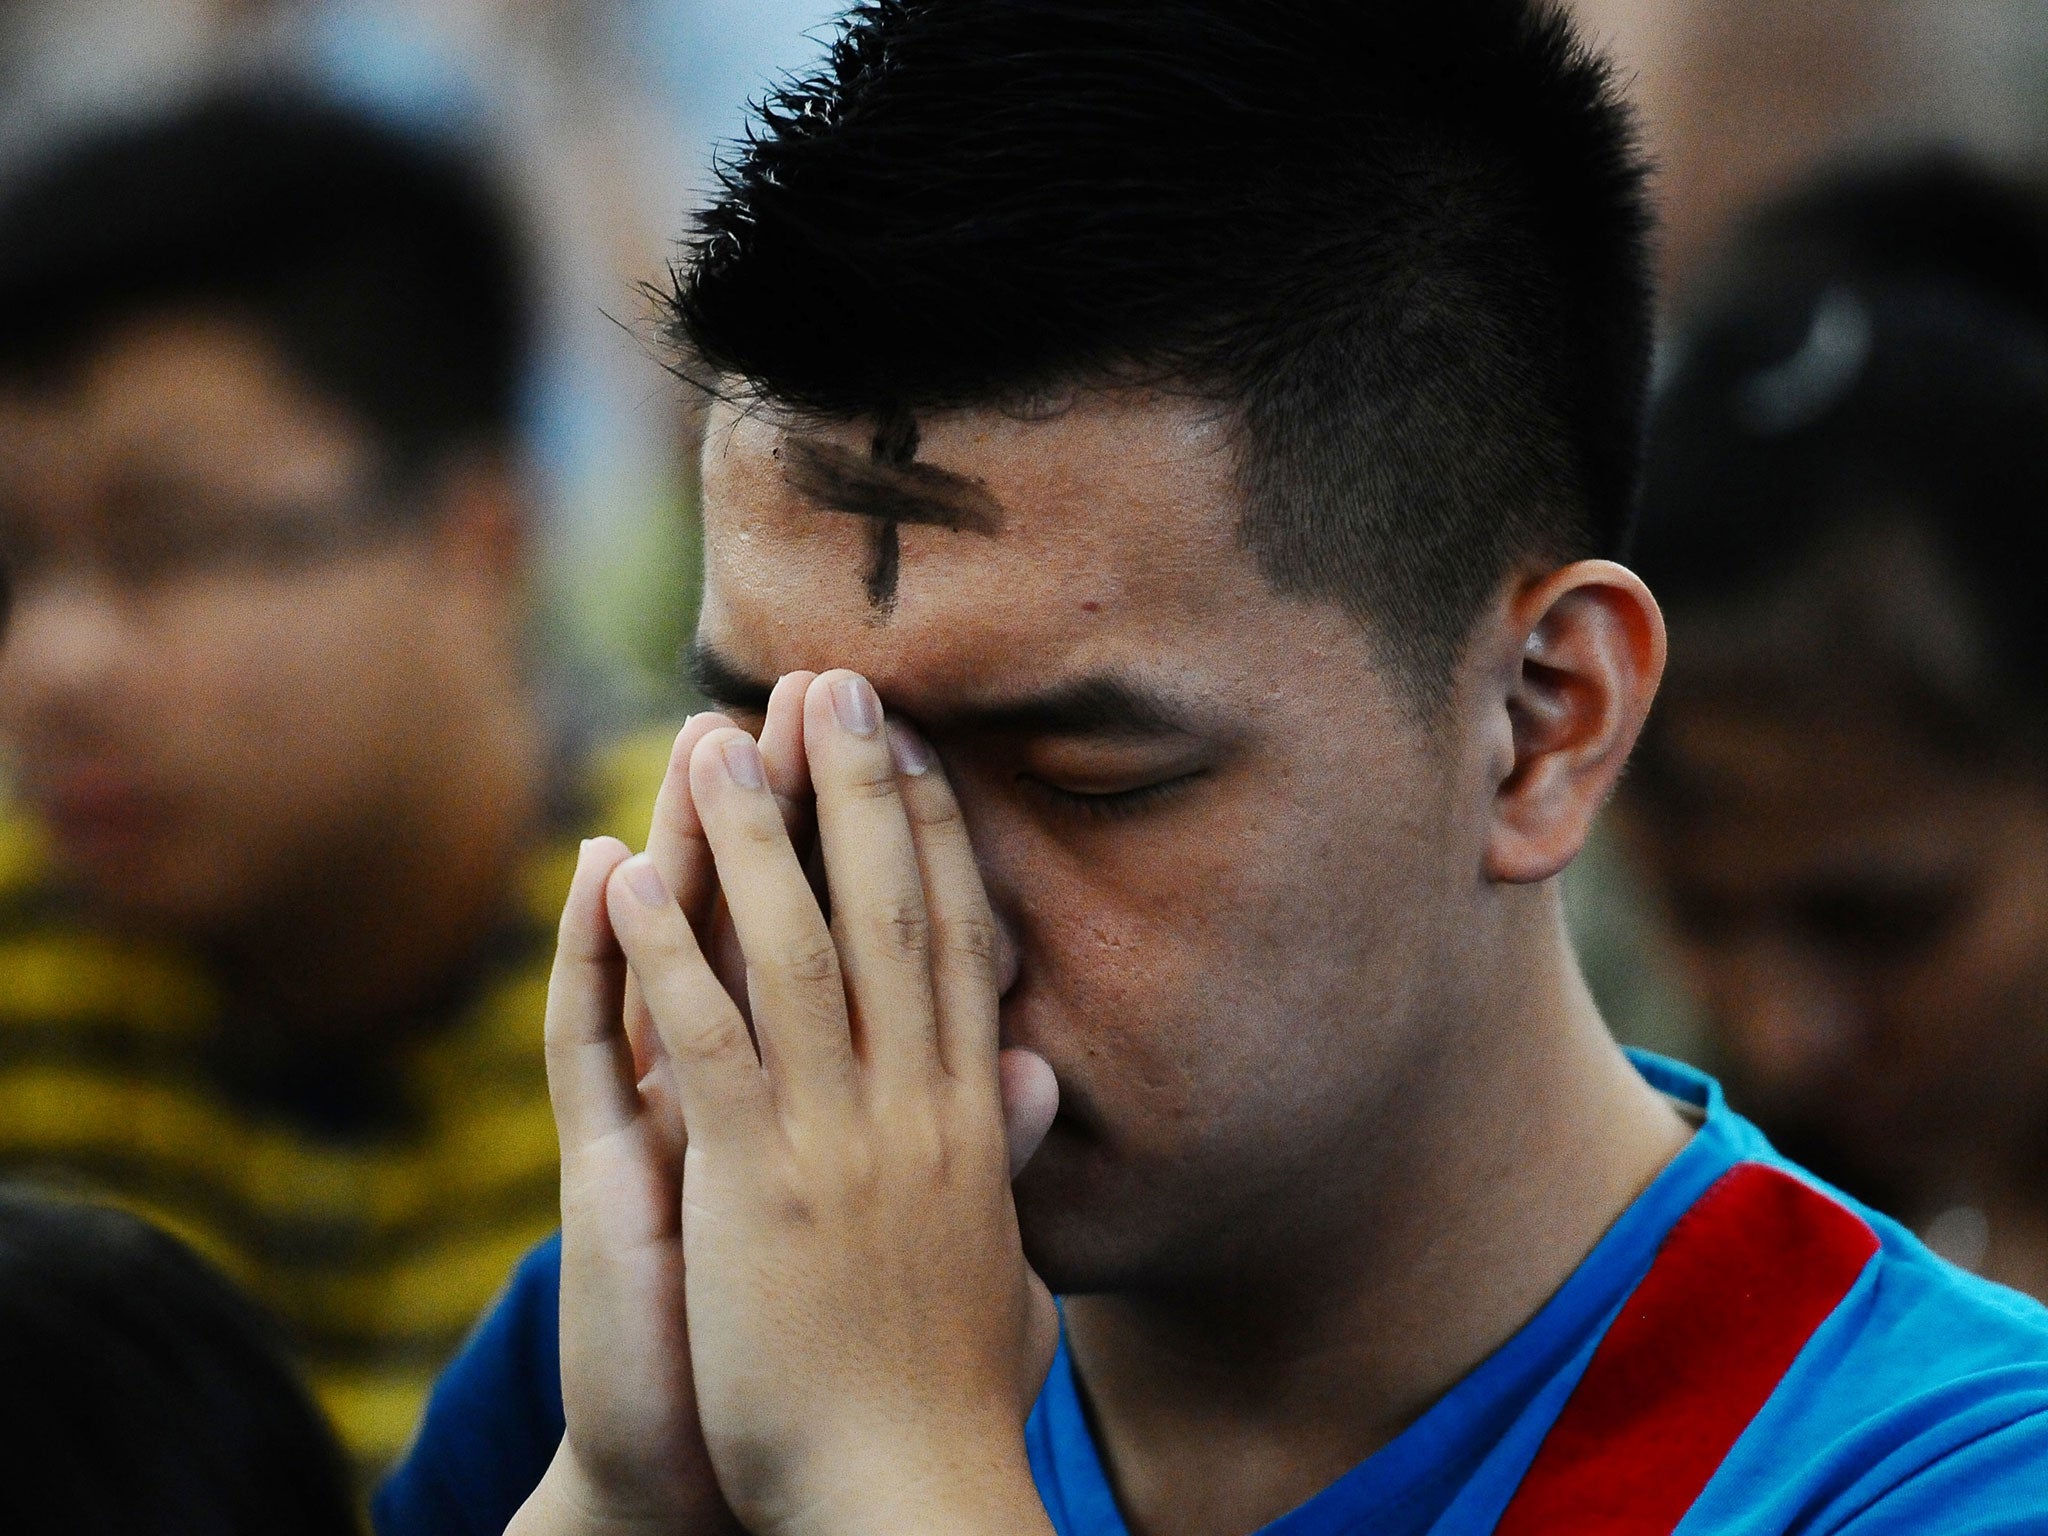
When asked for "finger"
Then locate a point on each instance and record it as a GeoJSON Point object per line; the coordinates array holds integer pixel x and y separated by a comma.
{"type": "Point", "coordinates": [793, 977]}
{"type": "Point", "coordinates": [661, 1100]}
{"type": "Point", "coordinates": [1031, 1098]}
{"type": "Point", "coordinates": [877, 889]}
{"type": "Point", "coordinates": [789, 780]}
{"type": "Point", "coordinates": [782, 752]}
{"type": "Point", "coordinates": [964, 941]}
{"type": "Point", "coordinates": [590, 1066]}
{"type": "Point", "coordinates": [675, 842]}
{"type": "Point", "coordinates": [716, 1074]}
{"type": "Point", "coordinates": [675, 838]}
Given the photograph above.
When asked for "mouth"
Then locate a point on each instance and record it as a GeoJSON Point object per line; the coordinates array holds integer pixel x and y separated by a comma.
{"type": "Point", "coordinates": [98, 809]}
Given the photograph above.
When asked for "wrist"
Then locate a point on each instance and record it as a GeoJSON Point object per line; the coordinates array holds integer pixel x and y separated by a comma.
{"type": "Point", "coordinates": [974, 1492]}
{"type": "Point", "coordinates": [567, 1502]}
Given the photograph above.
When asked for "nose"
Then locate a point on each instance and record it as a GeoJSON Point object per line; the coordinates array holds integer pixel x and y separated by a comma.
{"type": "Point", "coordinates": [64, 644]}
{"type": "Point", "coordinates": [1009, 954]}
{"type": "Point", "coordinates": [1004, 902]}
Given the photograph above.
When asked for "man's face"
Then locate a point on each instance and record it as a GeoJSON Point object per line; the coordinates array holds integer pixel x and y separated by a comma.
{"type": "Point", "coordinates": [1237, 875]}
{"type": "Point", "coordinates": [211, 674]}
{"type": "Point", "coordinates": [1867, 924]}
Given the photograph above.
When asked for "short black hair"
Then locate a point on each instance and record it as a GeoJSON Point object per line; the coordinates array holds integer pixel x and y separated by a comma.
{"type": "Point", "coordinates": [1855, 427]}
{"type": "Point", "coordinates": [143, 1393]}
{"type": "Point", "coordinates": [1406, 243]}
{"type": "Point", "coordinates": [388, 269]}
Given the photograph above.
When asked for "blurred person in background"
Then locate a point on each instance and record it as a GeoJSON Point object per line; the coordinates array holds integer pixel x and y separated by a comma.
{"type": "Point", "coordinates": [278, 887]}
{"type": "Point", "coordinates": [140, 1392]}
{"type": "Point", "coordinates": [1843, 795]}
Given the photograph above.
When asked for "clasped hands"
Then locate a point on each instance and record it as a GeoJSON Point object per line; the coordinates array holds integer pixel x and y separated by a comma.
{"type": "Point", "coordinates": [794, 1297]}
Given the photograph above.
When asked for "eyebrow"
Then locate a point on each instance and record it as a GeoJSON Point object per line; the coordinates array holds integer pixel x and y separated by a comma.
{"type": "Point", "coordinates": [1101, 705]}
{"type": "Point", "coordinates": [840, 480]}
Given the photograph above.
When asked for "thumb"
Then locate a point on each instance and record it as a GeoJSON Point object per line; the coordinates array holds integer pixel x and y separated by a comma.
{"type": "Point", "coordinates": [1031, 1097]}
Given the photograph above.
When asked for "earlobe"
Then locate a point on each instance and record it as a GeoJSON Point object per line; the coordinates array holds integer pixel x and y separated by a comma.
{"type": "Point", "coordinates": [1587, 652]}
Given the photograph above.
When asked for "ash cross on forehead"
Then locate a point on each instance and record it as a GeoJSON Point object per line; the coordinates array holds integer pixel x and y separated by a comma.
{"type": "Point", "coordinates": [889, 487]}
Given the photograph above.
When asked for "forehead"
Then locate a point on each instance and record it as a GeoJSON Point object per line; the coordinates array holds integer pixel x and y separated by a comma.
{"type": "Point", "coordinates": [194, 397]}
{"type": "Point", "coordinates": [1114, 527]}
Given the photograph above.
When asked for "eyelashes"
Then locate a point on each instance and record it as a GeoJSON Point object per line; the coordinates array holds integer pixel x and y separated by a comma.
{"type": "Point", "coordinates": [1112, 805]}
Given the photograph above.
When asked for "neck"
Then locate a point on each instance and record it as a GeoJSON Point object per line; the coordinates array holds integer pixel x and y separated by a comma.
{"type": "Point", "coordinates": [354, 956]}
{"type": "Point", "coordinates": [1519, 1147]}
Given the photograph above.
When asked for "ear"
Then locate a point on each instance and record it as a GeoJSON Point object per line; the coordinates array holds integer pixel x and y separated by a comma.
{"type": "Point", "coordinates": [480, 520]}
{"type": "Point", "coordinates": [1580, 651]}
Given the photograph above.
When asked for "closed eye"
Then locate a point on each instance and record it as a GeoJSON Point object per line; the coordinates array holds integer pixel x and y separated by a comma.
{"type": "Point", "coordinates": [1114, 804]}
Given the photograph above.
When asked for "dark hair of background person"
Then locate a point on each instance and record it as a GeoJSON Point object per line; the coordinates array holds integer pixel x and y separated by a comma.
{"type": "Point", "coordinates": [387, 269]}
{"type": "Point", "coordinates": [139, 1392]}
{"type": "Point", "coordinates": [1847, 482]}
{"type": "Point", "coordinates": [1404, 245]}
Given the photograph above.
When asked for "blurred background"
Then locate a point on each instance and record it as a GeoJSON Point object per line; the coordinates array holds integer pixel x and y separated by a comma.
{"type": "Point", "coordinates": [607, 112]}
{"type": "Point", "coordinates": [1739, 100]}
{"type": "Point", "coordinates": [602, 118]}
{"type": "Point", "coordinates": [604, 113]}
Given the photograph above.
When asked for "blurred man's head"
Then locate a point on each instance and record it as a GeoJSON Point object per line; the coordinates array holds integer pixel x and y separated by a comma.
{"type": "Point", "coordinates": [258, 383]}
{"type": "Point", "coordinates": [1174, 408]}
{"type": "Point", "coordinates": [1844, 792]}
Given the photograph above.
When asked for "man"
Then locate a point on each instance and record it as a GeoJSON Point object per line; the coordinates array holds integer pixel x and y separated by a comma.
{"type": "Point", "coordinates": [1844, 798]}
{"type": "Point", "coordinates": [290, 824]}
{"type": "Point", "coordinates": [1200, 422]}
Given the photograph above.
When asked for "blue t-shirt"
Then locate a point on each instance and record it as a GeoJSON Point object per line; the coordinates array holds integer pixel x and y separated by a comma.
{"type": "Point", "coordinates": [1914, 1399]}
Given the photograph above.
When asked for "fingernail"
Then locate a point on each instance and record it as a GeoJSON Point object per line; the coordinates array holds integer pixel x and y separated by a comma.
{"type": "Point", "coordinates": [646, 883]}
{"type": "Point", "coordinates": [742, 761]}
{"type": "Point", "coordinates": [854, 702]}
{"type": "Point", "coordinates": [911, 755]}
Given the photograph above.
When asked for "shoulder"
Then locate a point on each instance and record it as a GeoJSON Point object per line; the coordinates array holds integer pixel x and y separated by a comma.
{"type": "Point", "coordinates": [1924, 1383]}
{"type": "Point", "coordinates": [1930, 1355]}
{"type": "Point", "coordinates": [1916, 1324]}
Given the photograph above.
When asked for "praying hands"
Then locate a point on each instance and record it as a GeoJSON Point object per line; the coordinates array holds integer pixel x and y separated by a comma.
{"type": "Point", "coordinates": [793, 1292]}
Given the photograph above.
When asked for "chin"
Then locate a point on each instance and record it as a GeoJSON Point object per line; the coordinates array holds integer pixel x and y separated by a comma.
{"type": "Point", "coordinates": [1086, 1224]}
{"type": "Point", "coordinates": [160, 894]}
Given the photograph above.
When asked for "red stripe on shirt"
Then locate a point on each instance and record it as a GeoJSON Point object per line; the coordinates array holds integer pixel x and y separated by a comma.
{"type": "Point", "coordinates": [1739, 1285]}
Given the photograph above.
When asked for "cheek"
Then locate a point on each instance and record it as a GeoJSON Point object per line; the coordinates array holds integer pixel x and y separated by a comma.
{"type": "Point", "coordinates": [274, 686]}
{"type": "Point", "coordinates": [1238, 973]}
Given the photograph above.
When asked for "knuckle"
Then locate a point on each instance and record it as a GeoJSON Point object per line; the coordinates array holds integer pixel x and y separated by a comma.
{"type": "Point", "coordinates": [861, 1166]}
{"type": "Point", "coordinates": [920, 1148]}
{"type": "Point", "coordinates": [902, 929]}
{"type": "Point", "coordinates": [763, 827]}
{"type": "Point", "coordinates": [812, 961]}
{"type": "Point", "coordinates": [658, 942]}
{"type": "Point", "coordinates": [869, 781]}
{"type": "Point", "coordinates": [933, 809]}
{"type": "Point", "coordinates": [702, 1039]}
{"type": "Point", "coordinates": [973, 938]}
